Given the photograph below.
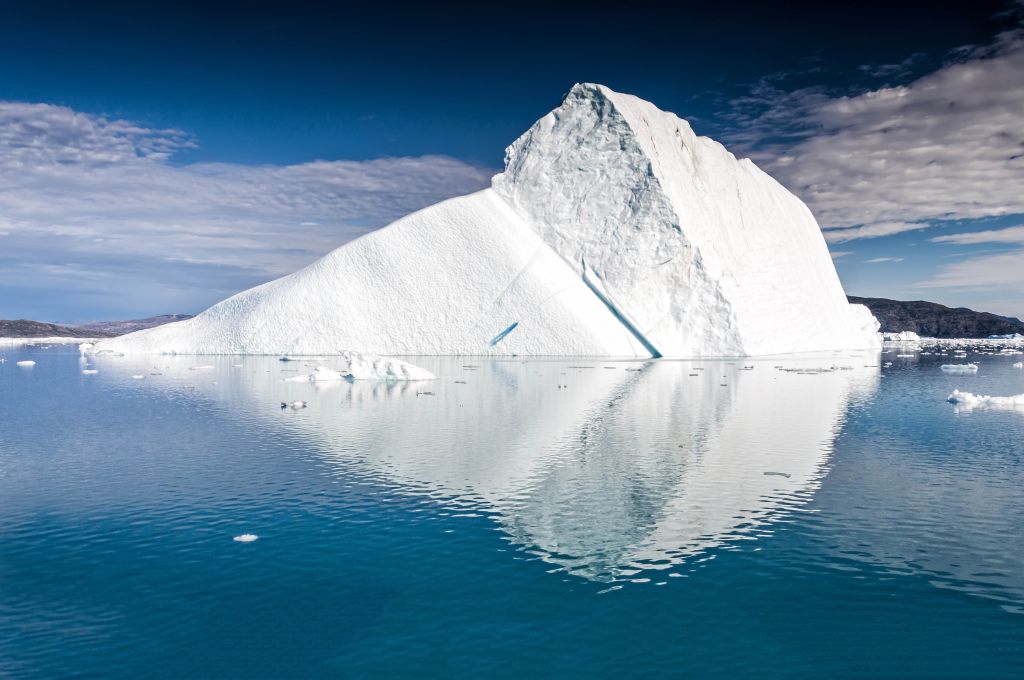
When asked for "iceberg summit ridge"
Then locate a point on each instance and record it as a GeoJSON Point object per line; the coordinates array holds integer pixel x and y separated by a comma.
{"type": "Point", "coordinates": [614, 230]}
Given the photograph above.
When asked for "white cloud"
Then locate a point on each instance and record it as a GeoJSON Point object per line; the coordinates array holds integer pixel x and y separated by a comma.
{"type": "Point", "coordinates": [879, 260]}
{"type": "Point", "coordinates": [949, 145]}
{"type": "Point", "coordinates": [1007, 235]}
{"type": "Point", "coordinates": [100, 195]}
{"type": "Point", "coordinates": [1004, 271]}
{"type": "Point", "coordinates": [836, 254]}
{"type": "Point", "coordinates": [870, 231]}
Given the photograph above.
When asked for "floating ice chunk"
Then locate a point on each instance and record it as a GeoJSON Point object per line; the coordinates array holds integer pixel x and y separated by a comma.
{"type": "Point", "coordinates": [138, 376]}
{"type": "Point", "coordinates": [324, 374]}
{"type": "Point", "coordinates": [371, 367]}
{"type": "Point", "coordinates": [1019, 364]}
{"type": "Point", "coordinates": [366, 367]}
{"type": "Point", "coordinates": [89, 371]}
{"type": "Point", "coordinates": [972, 400]}
{"type": "Point", "coordinates": [84, 347]}
{"type": "Point", "coordinates": [294, 405]}
{"type": "Point", "coordinates": [902, 336]}
{"type": "Point", "coordinates": [26, 363]}
{"type": "Point", "coordinates": [246, 538]}
{"type": "Point", "coordinates": [959, 368]}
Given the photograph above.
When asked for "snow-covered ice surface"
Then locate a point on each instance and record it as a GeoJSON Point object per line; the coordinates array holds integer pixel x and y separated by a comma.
{"type": "Point", "coordinates": [614, 231]}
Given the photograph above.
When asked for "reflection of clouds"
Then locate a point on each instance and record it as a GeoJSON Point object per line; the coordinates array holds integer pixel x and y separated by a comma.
{"type": "Point", "coordinates": [638, 466]}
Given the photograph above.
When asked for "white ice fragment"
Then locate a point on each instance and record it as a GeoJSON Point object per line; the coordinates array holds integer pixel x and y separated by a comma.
{"type": "Point", "coordinates": [246, 538]}
{"type": "Point", "coordinates": [971, 400]}
{"type": "Point", "coordinates": [1019, 364]}
{"type": "Point", "coordinates": [26, 363]}
{"type": "Point", "coordinates": [138, 376]}
{"type": "Point", "coordinates": [959, 368]}
{"type": "Point", "coordinates": [89, 371]}
{"type": "Point", "coordinates": [324, 374]}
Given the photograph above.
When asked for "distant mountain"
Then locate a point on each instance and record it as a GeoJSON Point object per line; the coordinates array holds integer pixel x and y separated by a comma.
{"type": "Point", "coordinates": [23, 328]}
{"type": "Point", "coordinates": [937, 321]}
{"type": "Point", "coordinates": [123, 327]}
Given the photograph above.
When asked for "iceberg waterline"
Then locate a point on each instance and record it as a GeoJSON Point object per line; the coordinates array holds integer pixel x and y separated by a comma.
{"type": "Point", "coordinates": [613, 231]}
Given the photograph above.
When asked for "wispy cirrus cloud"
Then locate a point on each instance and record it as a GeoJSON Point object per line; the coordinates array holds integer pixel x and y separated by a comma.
{"type": "Point", "coordinates": [871, 231]}
{"type": "Point", "coordinates": [880, 260]}
{"type": "Point", "coordinates": [948, 145]}
{"type": "Point", "coordinates": [1005, 235]}
{"type": "Point", "coordinates": [95, 207]}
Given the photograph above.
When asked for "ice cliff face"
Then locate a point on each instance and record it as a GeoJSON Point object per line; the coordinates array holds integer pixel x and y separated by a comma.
{"type": "Point", "coordinates": [614, 230]}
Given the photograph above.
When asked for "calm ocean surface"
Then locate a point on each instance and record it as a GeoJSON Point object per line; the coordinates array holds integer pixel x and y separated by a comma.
{"type": "Point", "coordinates": [649, 519]}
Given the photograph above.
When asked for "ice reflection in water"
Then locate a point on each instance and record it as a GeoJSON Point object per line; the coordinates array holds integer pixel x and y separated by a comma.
{"type": "Point", "coordinates": [630, 466]}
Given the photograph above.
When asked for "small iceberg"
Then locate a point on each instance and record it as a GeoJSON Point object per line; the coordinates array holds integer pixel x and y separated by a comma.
{"type": "Point", "coordinates": [959, 368]}
{"type": "Point", "coordinates": [366, 367]}
{"type": "Point", "coordinates": [971, 400]}
{"type": "Point", "coordinates": [89, 371]}
{"type": "Point", "coordinates": [245, 538]}
{"type": "Point", "coordinates": [1019, 364]}
{"type": "Point", "coordinates": [27, 363]}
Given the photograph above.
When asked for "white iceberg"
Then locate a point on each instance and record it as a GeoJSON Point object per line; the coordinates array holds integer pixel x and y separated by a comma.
{"type": "Point", "coordinates": [903, 337]}
{"type": "Point", "coordinates": [26, 363]}
{"type": "Point", "coordinates": [366, 367]}
{"type": "Point", "coordinates": [959, 368]}
{"type": "Point", "coordinates": [972, 400]}
{"type": "Point", "coordinates": [613, 231]}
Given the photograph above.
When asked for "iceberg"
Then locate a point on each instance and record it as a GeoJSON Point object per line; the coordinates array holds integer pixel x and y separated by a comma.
{"type": "Point", "coordinates": [971, 400]}
{"type": "Point", "coordinates": [366, 367]}
{"type": "Point", "coordinates": [614, 230]}
{"type": "Point", "coordinates": [959, 368]}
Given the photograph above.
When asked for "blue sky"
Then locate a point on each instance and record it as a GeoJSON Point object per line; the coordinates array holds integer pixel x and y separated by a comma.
{"type": "Point", "coordinates": [157, 157]}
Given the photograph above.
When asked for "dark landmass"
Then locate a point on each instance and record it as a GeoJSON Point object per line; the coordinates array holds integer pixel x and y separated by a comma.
{"type": "Point", "coordinates": [123, 327]}
{"type": "Point", "coordinates": [938, 321]}
{"type": "Point", "coordinates": [23, 328]}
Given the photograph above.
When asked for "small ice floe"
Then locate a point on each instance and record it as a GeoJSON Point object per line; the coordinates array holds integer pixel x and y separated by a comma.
{"type": "Point", "coordinates": [138, 376]}
{"type": "Point", "coordinates": [245, 538]}
{"type": "Point", "coordinates": [971, 400]}
{"type": "Point", "coordinates": [296, 405]}
{"type": "Point", "coordinates": [84, 347]}
{"type": "Point", "coordinates": [27, 363]}
{"type": "Point", "coordinates": [89, 371]}
{"type": "Point", "coordinates": [959, 368]}
{"type": "Point", "coordinates": [1019, 364]}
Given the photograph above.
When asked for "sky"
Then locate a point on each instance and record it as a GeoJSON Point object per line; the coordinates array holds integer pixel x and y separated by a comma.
{"type": "Point", "coordinates": [158, 157]}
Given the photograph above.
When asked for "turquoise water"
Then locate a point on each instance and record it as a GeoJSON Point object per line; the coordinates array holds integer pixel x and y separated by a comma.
{"type": "Point", "coordinates": [821, 517]}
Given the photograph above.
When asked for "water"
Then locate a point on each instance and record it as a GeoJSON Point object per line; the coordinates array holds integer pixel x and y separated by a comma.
{"type": "Point", "coordinates": [649, 519]}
